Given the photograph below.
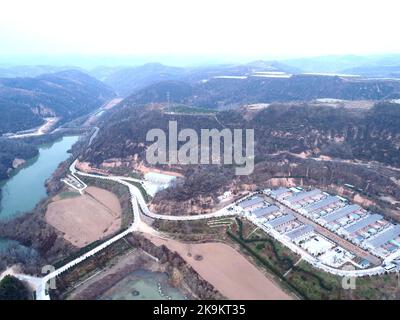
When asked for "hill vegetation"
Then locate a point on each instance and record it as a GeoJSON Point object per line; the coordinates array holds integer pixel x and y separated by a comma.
{"type": "Point", "coordinates": [24, 102]}
{"type": "Point", "coordinates": [222, 93]}
{"type": "Point", "coordinates": [127, 80]}
{"type": "Point", "coordinates": [370, 134]}
{"type": "Point", "coordinates": [319, 145]}
{"type": "Point", "coordinates": [13, 289]}
{"type": "Point", "coordinates": [14, 149]}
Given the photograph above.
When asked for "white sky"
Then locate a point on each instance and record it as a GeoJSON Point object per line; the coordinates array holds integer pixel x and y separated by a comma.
{"type": "Point", "coordinates": [242, 28]}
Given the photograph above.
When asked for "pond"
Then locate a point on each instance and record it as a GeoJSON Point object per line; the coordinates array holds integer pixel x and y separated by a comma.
{"type": "Point", "coordinates": [143, 285]}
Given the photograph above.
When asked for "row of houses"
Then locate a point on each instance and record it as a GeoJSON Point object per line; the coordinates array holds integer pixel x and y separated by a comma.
{"type": "Point", "coordinates": [279, 219]}
{"type": "Point", "coordinates": [370, 231]}
{"type": "Point", "coordinates": [272, 217]}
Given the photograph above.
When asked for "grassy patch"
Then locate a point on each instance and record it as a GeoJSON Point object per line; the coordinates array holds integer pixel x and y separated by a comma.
{"type": "Point", "coordinates": [190, 110]}
{"type": "Point", "coordinates": [68, 194]}
{"type": "Point", "coordinates": [196, 230]}
{"type": "Point", "coordinates": [138, 185]}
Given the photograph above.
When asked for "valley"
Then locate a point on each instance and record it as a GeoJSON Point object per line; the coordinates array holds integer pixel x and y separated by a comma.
{"type": "Point", "coordinates": [200, 159]}
{"type": "Point", "coordinates": [103, 201]}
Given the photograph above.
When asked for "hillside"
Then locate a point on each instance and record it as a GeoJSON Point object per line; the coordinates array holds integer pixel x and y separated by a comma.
{"type": "Point", "coordinates": [377, 71]}
{"type": "Point", "coordinates": [227, 92]}
{"type": "Point", "coordinates": [320, 146]}
{"type": "Point", "coordinates": [338, 63]}
{"type": "Point", "coordinates": [29, 71]}
{"type": "Point", "coordinates": [24, 102]}
{"type": "Point", "coordinates": [127, 80]}
{"type": "Point", "coordinates": [11, 150]}
{"type": "Point", "coordinates": [370, 134]}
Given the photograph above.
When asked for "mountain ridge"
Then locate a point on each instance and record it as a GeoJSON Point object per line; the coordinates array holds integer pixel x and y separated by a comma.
{"type": "Point", "coordinates": [65, 94]}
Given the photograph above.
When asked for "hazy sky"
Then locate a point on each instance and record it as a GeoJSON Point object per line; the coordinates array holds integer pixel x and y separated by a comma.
{"type": "Point", "coordinates": [251, 28]}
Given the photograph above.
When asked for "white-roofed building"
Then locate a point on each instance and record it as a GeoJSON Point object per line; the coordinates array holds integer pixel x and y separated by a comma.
{"type": "Point", "coordinates": [252, 203]}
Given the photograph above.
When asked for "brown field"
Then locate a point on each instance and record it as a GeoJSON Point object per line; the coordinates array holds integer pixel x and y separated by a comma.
{"type": "Point", "coordinates": [86, 218]}
{"type": "Point", "coordinates": [226, 269]}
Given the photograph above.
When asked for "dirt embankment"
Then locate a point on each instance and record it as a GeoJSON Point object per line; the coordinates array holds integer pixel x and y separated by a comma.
{"type": "Point", "coordinates": [100, 282]}
{"type": "Point", "coordinates": [107, 272]}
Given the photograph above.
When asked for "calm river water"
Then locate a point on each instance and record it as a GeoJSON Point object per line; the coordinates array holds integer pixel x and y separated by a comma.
{"type": "Point", "coordinates": [23, 191]}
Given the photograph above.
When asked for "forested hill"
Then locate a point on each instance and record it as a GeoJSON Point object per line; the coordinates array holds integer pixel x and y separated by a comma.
{"type": "Point", "coordinates": [11, 149]}
{"type": "Point", "coordinates": [366, 134]}
{"type": "Point", "coordinates": [222, 92]}
{"type": "Point", "coordinates": [24, 102]}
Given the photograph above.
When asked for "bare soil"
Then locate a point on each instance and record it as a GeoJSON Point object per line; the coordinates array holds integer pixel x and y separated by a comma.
{"type": "Point", "coordinates": [226, 269]}
{"type": "Point", "coordinates": [87, 218]}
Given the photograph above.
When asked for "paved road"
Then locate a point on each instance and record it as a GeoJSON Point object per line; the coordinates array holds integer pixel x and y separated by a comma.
{"type": "Point", "coordinates": [135, 192]}
{"type": "Point", "coordinates": [43, 129]}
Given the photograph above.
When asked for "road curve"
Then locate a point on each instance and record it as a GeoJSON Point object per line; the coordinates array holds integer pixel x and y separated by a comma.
{"type": "Point", "coordinates": [137, 201]}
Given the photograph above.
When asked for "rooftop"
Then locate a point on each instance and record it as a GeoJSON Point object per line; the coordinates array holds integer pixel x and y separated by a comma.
{"type": "Point", "coordinates": [251, 202]}
{"type": "Point", "coordinates": [300, 231]}
{"type": "Point", "coordinates": [279, 191]}
{"type": "Point", "coordinates": [303, 195]}
{"type": "Point", "coordinates": [337, 214]}
{"type": "Point", "coordinates": [321, 204]}
{"type": "Point", "coordinates": [385, 236]}
{"type": "Point", "coordinates": [265, 210]}
{"type": "Point", "coordinates": [281, 220]}
{"type": "Point", "coordinates": [370, 219]}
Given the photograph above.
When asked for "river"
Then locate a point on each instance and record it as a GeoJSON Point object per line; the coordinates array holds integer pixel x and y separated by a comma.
{"type": "Point", "coordinates": [26, 187]}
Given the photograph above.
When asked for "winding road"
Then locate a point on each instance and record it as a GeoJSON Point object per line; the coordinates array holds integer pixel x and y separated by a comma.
{"type": "Point", "coordinates": [138, 225]}
{"type": "Point", "coordinates": [137, 203]}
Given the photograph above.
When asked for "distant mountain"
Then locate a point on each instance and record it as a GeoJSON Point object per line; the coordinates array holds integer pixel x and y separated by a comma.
{"type": "Point", "coordinates": [230, 92]}
{"type": "Point", "coordinates": [103, 72]}
{"type": "Point", "coordinates": [335, 64]}
{"type": "Point", "coordinates": [273, 66]}
{"type": "Point", "coordinates": [24, 102]}
{"type": "Point", "coordinates": [30, 71]}
{"type": "Point", "coordinates": [127, 80]}
{"type": "Point", "coordinates": [376, 71]}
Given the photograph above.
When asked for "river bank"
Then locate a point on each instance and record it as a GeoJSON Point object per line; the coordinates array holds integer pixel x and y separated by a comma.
{"type": "Point", "coordinates": [26, 187]}
{"type": "Point", "coordinates": [29, 228]}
